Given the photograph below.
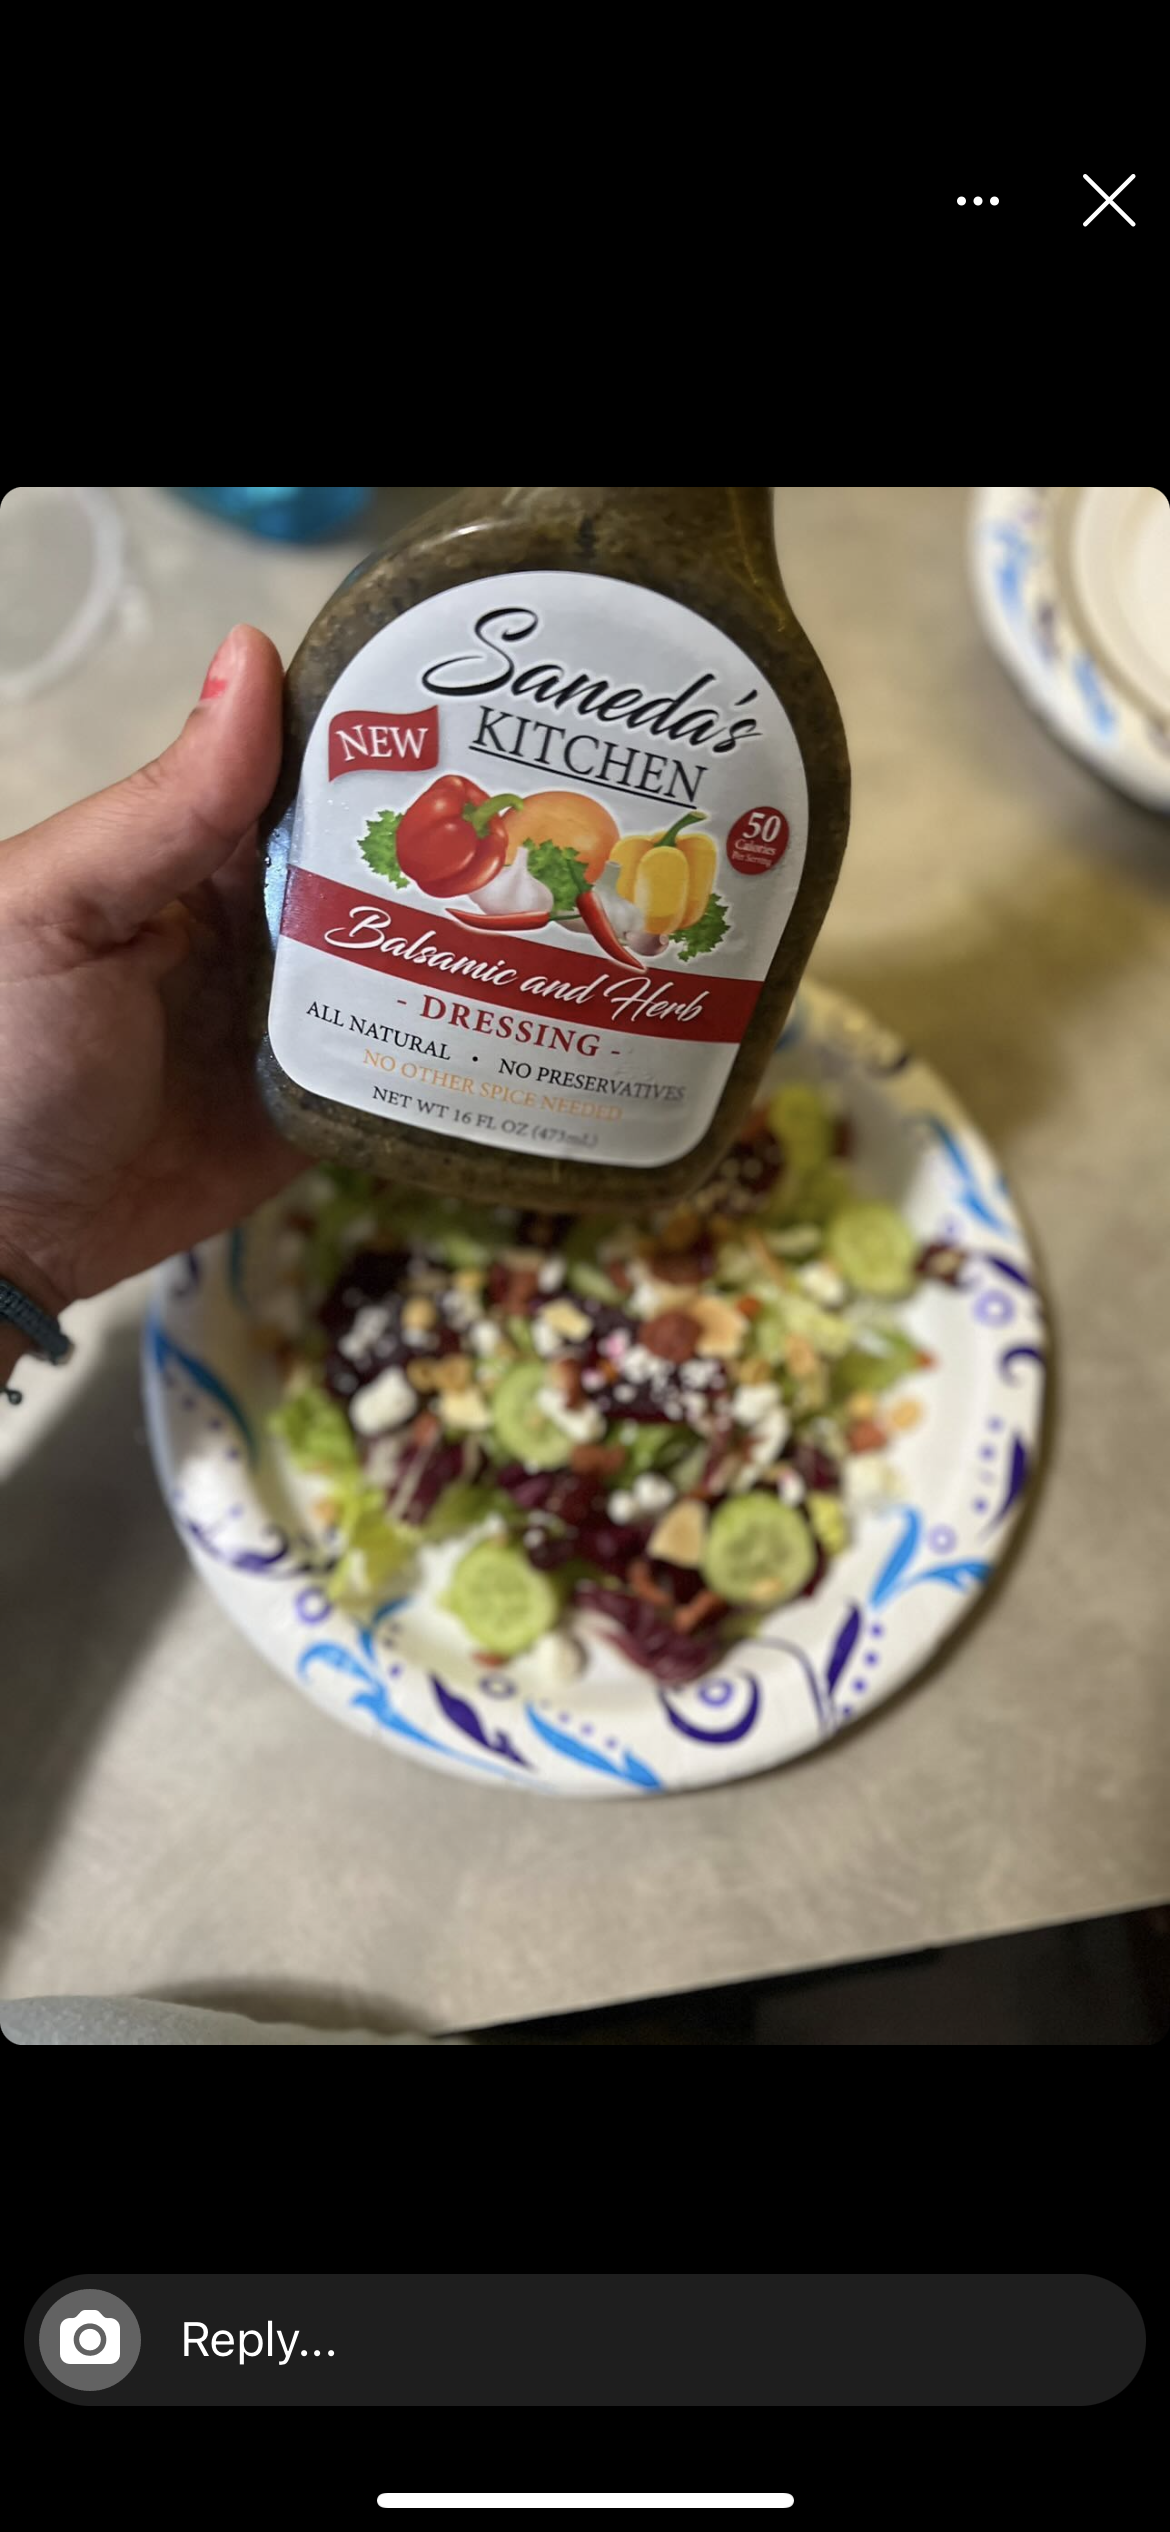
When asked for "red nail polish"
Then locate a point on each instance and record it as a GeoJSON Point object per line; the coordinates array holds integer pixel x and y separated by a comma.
{"type": "Point", "coordinates": [216, 682]}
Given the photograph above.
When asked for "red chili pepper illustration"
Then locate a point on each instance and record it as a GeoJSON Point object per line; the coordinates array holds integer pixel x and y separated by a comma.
{"type": "Point", "coordinates": [594, 916]}
{"type": "Point", "coordinates": [499, 922]}
{"type": "Point", "coordinates": [452, 836]}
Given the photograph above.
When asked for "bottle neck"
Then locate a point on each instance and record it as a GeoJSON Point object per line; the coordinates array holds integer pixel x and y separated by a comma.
{"type": "Point", "coordinates": [737, 516]}
{"type": "Point", "coordinates": [715, 504]}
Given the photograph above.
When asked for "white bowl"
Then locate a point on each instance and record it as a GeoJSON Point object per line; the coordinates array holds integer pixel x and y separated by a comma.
{"type": "Point", "coordinates": [409, 1680]}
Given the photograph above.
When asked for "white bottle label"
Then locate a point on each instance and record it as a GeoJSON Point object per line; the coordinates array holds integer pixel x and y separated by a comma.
{"type": "Point", "coordinates": [549, 830]}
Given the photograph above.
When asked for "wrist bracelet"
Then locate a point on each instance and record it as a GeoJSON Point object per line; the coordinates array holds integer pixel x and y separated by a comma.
{"type": "Point", "coordinates": [44, 1333]}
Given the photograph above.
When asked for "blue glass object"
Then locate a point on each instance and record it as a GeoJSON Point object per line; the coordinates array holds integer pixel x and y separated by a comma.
{"type": "Point", "coordinates": [294, 512]}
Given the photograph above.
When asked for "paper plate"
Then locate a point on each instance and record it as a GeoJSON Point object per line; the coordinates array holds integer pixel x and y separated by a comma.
{"type": "Point", "coordinates": [1072, 584]}
{"type": "Point", "coordinates": [408, 1680]}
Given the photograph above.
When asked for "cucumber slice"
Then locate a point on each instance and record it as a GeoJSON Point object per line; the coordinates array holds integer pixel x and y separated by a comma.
{"type": "Point", "coordinates": [500, 1598]}
{"type": "Point", "coordinates": [524, 1430]}
{"type": "Point", "coordinates": [874, 1248]}
{"type": "Point", "coordinates": [801, 1121]}
{"type": "Point", "coordinates": [812, 1197]}
{"type": "Point", "coordinates": [592, 1282]}
{"type": "Point", "coordinates": [859, 1369]}
{"type": "Point", "coordinates": [758, 1550]}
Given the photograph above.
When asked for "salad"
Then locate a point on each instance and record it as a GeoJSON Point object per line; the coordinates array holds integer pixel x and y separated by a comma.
{"type": "Point", "coordinates": [653, 1430]}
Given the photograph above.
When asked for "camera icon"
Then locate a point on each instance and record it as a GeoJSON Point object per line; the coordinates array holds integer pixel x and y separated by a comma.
{"type": "Point", "coordinates": [91, 2338]}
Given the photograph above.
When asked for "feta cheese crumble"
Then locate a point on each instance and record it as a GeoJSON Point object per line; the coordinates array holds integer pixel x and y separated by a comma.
{"type": "Point", "coordinates": [384, 1402]}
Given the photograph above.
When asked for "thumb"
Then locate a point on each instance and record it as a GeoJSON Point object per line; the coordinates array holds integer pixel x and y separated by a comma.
{"type": "Point", "coordinates": [112, 862]}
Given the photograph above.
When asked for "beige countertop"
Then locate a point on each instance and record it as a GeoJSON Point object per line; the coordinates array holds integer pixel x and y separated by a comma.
{"type": "Point", "coordinates": [176, 1821]}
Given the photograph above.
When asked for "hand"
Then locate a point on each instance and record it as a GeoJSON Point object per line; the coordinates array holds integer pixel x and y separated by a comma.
{"type": "Point", "coordinates": [130, 1124]}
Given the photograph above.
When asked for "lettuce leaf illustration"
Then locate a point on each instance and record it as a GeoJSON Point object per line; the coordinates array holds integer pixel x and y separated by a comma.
{"type": "Point", "coordinates": [560, 869]}
{"type": "Point", "coordinates": [706, 933]}
{"type": "Point", "coordinates": [379, 847]}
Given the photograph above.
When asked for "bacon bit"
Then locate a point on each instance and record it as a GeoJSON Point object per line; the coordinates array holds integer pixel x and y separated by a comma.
{"type": "Point", "coordinates": [865, 1437]}
{"type": "Point", "coordinates": [925, 1361]}
{"type": "Point", "coordinates": [905, 1415]}
{"type": "Point", "coordinates": [596, 1459]}
{"type": "Point", "coordinates": [672, 1335]}
{"type": "Point", "coordinates": [426, 1428]}
{"type": "Point", "coordinates": [749, 1305]}
{"type": "Point", "coordinates": [644, 1587]}
{"type": "Point", "coordinates": [619, 1275]}
{"type": "Point", "coordinates": [567, 1375]}
{"type": "Point", "coordinates": [706, 1604]}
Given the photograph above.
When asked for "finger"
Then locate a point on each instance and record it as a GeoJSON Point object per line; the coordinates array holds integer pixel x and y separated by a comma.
{"type": "Point", "coordinates": [111, 863]}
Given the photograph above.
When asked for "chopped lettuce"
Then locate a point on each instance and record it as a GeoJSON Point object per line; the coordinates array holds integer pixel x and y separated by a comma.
{"type": "Point", "coordinates": [315, 1432]}
{"type": "Point", "coordinates": [461, 1505]}
{"type": "Point", "coordinates": [374, 1550]}
{"type": "Point", "coordinates": [650, 1445]}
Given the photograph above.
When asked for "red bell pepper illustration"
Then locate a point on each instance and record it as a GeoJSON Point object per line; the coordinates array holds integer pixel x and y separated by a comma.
{"type": "Point", "coordinates": [452, 838]}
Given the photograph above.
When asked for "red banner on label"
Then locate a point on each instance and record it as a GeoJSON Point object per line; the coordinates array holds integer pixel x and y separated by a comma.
{"type": "Point", "coordinates": [404, 742]}
{"type": "Point", "coordinates": [525, 972]}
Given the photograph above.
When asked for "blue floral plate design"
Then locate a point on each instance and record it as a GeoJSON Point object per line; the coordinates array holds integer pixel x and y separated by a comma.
{"type": "Point", "coordinates": [579, 1719]}
{"type": "Point", "coordinates": [1016, 538]}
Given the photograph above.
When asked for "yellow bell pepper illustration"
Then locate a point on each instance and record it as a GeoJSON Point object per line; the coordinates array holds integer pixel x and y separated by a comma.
{"type": "Point", "coordinates": [698, 855]}
{"type": "Point", "coordinates": [701, 855]}
{"type": "Point", "coordinates": [660, 888]}
{"type": "Point", "coordinates": [629, 853]}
